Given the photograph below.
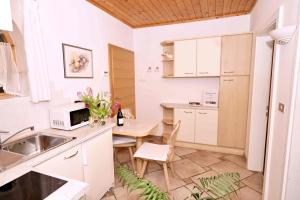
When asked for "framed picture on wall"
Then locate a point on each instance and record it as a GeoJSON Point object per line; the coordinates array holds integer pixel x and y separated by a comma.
{"type": "Point", "coordinates": [78, 61]}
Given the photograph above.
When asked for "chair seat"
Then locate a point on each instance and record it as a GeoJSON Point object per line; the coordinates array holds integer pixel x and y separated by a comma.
{"type": "Point", "coordinates": [123, 140]}
{"type": "Point", "coordinates": [152, 151]}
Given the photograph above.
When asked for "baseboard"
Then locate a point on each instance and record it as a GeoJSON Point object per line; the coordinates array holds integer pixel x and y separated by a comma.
{"type": "Point", "coordinates": [211, 148]}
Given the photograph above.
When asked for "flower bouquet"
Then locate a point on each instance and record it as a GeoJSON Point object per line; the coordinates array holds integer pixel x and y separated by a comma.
{"type": "Point", "coordinates": [99, 106]}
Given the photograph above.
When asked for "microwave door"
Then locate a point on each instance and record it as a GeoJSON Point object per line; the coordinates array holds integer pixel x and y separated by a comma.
{"type": "Point", "coordinates": [79, 116]}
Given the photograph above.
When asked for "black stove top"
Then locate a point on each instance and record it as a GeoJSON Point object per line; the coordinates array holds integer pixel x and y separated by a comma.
{"type": "Point", "coordinates": [30, 186]}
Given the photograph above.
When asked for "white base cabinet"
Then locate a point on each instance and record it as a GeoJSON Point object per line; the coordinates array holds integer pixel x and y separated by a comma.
{"type": "Point", "coordinates": [67, 164]}
{"type": "Point", "coordinates": [206, 131]}
{"type": "Point", "coordinates": [186, 132]}
{"type": "Point", "coordinates": [90, 162]}
{"type": "Point", "coordinates": [197, 125]}
{"type": "Point", "coordinates": [98, 166]}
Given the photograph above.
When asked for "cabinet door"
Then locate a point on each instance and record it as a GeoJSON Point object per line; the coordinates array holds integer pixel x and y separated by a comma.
{"type": "Point", "coordinates": [98, 165]}
{"type": "Point", "coordinates": [233, 111]}
{"type": "Point", "coordinates": [236, 54]}
{"type": "Point", "coordinates": [186, 132]}
{"type": "Point", "coordinates": [206, 127]}
{"type": "Point", "coordinates": [67, 164]}
{"type": "Point", "coordinates": [209, 56]}
{"type": "Point", "coordinates": [185, 58]}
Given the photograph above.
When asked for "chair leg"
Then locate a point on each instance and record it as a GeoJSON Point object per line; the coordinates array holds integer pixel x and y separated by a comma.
{"type": "Point", "coordinates": [132, 158]}
{"type": "Point", "coordinates": [144, 168]}
{"type": "Point", "coordinates": [166, 176]}
{"type": "Point", "coordinates": [172, 168]}
{"type": "Point", "coordinates": [116, 155]}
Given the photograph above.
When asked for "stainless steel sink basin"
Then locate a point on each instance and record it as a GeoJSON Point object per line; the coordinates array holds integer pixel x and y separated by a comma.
{"type": "Point", "coordinates": [23, 149]}
{"type": "Point", "coordinates": [36, 144]}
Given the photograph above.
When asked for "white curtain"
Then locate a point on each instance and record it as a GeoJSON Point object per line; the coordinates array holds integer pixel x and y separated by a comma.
{"type": "Point", "coordinates": [35, 53]}
{"type": "Point", "coordinates": [9, 73]}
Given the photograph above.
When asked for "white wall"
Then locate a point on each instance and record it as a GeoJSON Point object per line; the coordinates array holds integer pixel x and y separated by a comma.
{"type": "Point", "coordinates": [151, 89]}
{"type": "Point", "coordinates": [278, 138]}
{"type": "Point", "coordinates": [75, 22]}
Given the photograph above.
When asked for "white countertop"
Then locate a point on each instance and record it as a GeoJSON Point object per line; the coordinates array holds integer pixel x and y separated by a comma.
{"type": "Point", "coordinates": [187, 106]}
{"type": "Point", "coordinates": [82, 134]}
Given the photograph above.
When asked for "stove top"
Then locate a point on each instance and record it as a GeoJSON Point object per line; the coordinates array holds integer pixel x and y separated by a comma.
{"type": "Point", "coordinates": [30, 186]}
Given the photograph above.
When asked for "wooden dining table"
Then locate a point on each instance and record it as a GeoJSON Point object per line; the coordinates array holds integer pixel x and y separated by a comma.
{"type": "Point", "coordinates": [138, 129]}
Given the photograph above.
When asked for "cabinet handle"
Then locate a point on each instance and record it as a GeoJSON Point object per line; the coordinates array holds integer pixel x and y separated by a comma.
{"type": "Point", "coordinates": [188, 112]}
{"type": "Point", "coordinates": [228, 72]}
{"type": "Point", "coordinates": [71, 156]}
{"type": "Point", "coordinates": [188, 73]}
{"type": "Point", "coordinates": [203, 72]}
{"type": "Point", "coordinates": [202, 113]}
{"type": "Point", "coordinates": [229, 80]}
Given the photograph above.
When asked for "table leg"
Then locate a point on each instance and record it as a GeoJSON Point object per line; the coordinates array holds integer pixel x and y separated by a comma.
{"type": "Point", "coordinates": [139, 142]}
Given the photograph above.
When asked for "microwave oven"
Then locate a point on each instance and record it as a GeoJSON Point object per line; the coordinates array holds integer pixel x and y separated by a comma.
{"type": "Point", "coordinates": [69, 117]}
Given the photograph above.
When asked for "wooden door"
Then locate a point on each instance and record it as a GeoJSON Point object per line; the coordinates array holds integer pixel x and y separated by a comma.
{"type": "Point", "coordinates": [236, 54]}
{"type": "Point", "coordinates": [233, 111]}
{"type": "Point", "coordinates": [185, 58]}
{"type": "Point", "coordinates": [186, 132]}
{"type": "Point", "coordinates": [209, 56]}
{"type": "Point", "coordinates": [122, 77]}
{"type": "Point", "coordinates": [206, 131]}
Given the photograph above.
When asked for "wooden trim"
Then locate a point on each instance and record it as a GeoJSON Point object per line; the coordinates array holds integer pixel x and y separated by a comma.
{"type": "Point", "coordinates": [6, 96]}
{"type": "Point", "coordinates": [211, 148]}
{"type": "Point", "coordinates": [9, 40]}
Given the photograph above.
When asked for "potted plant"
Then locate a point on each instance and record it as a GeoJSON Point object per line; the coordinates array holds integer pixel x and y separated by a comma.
{"type": "Point", "coordinates": [99, 106]}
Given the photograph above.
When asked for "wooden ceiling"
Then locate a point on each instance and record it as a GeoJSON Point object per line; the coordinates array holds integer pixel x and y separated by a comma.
{"type": "Point", "coordinates": [142, 13]}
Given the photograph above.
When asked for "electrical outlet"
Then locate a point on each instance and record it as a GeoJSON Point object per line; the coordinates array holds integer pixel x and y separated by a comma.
{"type": "Point", "coordinates": [281, 107]}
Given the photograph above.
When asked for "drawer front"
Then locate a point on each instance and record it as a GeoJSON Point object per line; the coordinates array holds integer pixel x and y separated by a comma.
{"type": "Point", "coordinates": [186, 132]}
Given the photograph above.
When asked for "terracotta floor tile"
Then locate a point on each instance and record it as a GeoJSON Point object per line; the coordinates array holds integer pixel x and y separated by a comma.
{"type": "Point", "coordinates": [255, 182]}
{"type": "Point", "coordinates": [121, 193]}
{"type": "Point", "coordinates": [153, 166]}
{"type": "Point", "coordinates": [109, 198]}
{"type": "Point", "coordinates": [227, 166]}
{"type": "Point", "coordinates": [158, 179]}
{"type": "Point", "coordinates": [195, 179]}
{"type": "Point", "coordinates": [180, 193]}
{"type": "Point", "coordinates": [203, 158]}
{"type": "Point", "coordinates": [123, 156]}
{"type": "Point", "coordinates": [239, 160]}
{"type": "Point", "coordinates": [246, 193]}
{"type": "Point", "coordinates": [180, 151]}
{"type": "Point", "coordinates": [185, 168]}
{"type": "Point", "coordinates": [188, 180]}
{"type": "Point", "coordinates": [176, 157]}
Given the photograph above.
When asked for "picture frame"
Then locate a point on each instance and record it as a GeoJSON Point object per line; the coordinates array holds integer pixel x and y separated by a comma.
{"type": "Point", "coordinates": [78, 61]}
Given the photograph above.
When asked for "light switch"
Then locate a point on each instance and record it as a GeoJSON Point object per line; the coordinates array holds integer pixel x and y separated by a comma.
{"type": "Point", "coordinates": [281, 107]}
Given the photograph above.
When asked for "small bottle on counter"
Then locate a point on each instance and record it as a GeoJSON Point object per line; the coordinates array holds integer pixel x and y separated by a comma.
{"type": "Point", "coordinates": [120, 119]}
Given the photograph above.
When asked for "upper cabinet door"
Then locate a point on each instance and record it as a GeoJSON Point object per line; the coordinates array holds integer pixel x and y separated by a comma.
{"type": "Point", "coordinates": [236, 54]}
{"type": "Point", "coordinates": [185, 58]}
{"type": "Point", "coordinates": [209, 56]}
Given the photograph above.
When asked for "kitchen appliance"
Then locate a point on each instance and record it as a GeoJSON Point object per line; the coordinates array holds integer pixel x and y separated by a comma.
{"type": "Point", "coordinates": [210, 98]}
{"type": "Point", "coordinates": [33, 186]}
{"type": "Point", "coordinates": [69, 117]}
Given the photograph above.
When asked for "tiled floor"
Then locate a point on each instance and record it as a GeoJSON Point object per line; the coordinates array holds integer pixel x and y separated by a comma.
{"type": "Point", "coordinates": [190, 165]}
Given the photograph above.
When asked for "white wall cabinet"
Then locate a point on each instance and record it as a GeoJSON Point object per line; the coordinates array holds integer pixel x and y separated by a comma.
{"type": "Point", "coordinates": [197, 125]}
{"type": "Point", "coordinates": [186, 132]}
{"type": "Point", "coordinates": [67, 164]}
{"type": "Point", "coordinates": [208, 56]}
{"type": "Point", "coordinates": [206, 131]}
{"type": "Point", "coordinates": [185, 58]}
{"type": "Point", "coordinates": [98, 165]}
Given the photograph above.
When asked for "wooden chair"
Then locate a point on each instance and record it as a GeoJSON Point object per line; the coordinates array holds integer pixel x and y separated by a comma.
{"type": "Point", "coordinates": [124, 141]}
{"type": "Point", "coordinates": [159, 152]}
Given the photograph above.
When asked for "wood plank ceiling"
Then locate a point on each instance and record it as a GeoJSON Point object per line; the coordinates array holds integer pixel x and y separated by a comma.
{"type": "Point", "coordinates": [143, 13]}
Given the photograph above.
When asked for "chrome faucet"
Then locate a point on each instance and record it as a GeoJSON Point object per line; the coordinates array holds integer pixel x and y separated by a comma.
{"type": "Point", "coordinates": [13, 135]}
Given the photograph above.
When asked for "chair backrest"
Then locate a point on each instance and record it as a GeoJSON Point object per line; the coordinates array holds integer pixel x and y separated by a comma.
{"type": "Point", "coordinates": [172, 139]}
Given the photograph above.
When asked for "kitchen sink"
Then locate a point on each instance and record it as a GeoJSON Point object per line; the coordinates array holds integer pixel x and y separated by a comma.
{"type": "Point", "coordinates": [30, 147]}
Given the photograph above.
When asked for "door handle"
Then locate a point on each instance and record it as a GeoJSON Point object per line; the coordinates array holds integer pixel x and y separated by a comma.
{"type": "Point", "coordinates": [229, 72]}
{"type": "Point", "coordinates": [189, 112]}
{"type": "Point", "coordinates": [71, 156]}
{"type": "Point", "coordinates": [229, 80]}
{"type": "Point", "coordinates": [118, 98]}
{"type": "Point", "coordinates": [202, 113]}
{"type": "Point", "coordinates": [188, 73]}
{"type": "Point", "coordinates": [203, 72]}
